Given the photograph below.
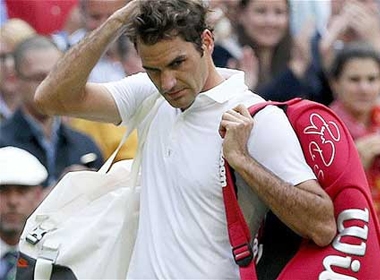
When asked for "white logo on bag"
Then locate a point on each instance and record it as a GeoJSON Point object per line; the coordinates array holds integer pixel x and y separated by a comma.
{"type": "Point", "coordinates": [325, 149]}
{"type": "Point", "coordinates": [351, 250]}
{"type": "Point", "coordinates": [222, 171]}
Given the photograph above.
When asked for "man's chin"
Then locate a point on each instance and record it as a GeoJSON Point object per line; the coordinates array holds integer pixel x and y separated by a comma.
{"type": "Point", "coordinates": [10, 229]}
{"type": "Point", "coordinates": [179, 104]}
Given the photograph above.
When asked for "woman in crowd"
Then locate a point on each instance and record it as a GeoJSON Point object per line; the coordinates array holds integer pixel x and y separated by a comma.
{"type": "Point", "coordinates": [277, 69]}
{"type": "Point", "coordinates": [355, 82]}
{"type": "Point", "coordinates": [349, 21]}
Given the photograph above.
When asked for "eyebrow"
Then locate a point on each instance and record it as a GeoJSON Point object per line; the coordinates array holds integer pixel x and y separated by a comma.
{"type": "Point", "coordinates": [175, 60]}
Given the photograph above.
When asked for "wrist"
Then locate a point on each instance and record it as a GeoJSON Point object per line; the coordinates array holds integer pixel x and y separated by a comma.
{"type": "Point", "coordinates": [125, 14]}
{"type": "Point", "coordinates": [238, 161]}
{"type": "Point", "coordinates": [117, 23]}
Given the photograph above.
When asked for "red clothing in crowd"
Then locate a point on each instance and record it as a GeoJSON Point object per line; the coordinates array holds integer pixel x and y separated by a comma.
{"type": "Point", "coordinates": [45, 16]}
{"type": "Point", "coordinates": [358, 130]}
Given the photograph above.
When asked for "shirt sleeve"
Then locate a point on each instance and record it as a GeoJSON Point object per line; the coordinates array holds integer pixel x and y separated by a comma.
{"type": "Point", "coordinates": [275, 145]}
{"type": "Point", "coordinates": [129, 93]}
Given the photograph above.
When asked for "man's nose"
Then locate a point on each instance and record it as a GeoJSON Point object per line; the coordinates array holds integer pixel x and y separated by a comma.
{"type": "Point", "coordinates": [167, 80]}
{"type": "Point", "coordinates": [13, 197]}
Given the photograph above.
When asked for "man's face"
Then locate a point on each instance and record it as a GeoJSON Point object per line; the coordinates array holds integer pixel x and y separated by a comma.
{"type": "Point", "coordinates": [97, 11]}
{"type": "Point", "coordinates": [17, 203]}
{"type": "Point", "coordinates": [34, 67]}
{"type": "Point", "coordinates": [177, 68]}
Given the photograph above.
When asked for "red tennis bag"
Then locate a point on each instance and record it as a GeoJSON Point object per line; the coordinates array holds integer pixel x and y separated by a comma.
{"type": "Point", "coordinates": [331, 153]}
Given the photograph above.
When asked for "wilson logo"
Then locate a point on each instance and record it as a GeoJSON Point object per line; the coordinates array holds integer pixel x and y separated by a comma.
{"type": "Point", "coordinates": [222, 171]}
{"type": "Point", "coordinates": [355, 248]}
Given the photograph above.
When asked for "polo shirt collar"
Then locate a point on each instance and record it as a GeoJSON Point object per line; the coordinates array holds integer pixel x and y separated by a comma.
{"type": "Point", "coordinates": [225, 91]}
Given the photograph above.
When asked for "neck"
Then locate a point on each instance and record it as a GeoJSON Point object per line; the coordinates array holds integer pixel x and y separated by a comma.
{"type": "Point", "coordinates": [214, 79]}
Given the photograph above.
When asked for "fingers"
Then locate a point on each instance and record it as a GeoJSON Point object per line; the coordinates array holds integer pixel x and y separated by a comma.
{"type": "Point", "coordinates": [222, 129]}
{"type": "Point", "coordinates": [362, 18]}
{"type": "Point", "coordinates": [243, 111]}
{"type": "Point", "coordinates": [240, 112]}
{"type": "Point", "coordinates": [249, 63]}
{"type": "Point", "coordinates": [236, 117]}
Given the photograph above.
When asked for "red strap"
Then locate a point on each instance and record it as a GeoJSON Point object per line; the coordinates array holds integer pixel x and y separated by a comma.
{"type": "Point", "coordinates": [257, 107]}
{"type": "Point", "coordinates": [238, 230]}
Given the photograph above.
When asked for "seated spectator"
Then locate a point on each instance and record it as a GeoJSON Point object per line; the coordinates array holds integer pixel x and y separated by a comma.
{"type": "Point", "coordinates": [55, 144]}
{"type": "Point", "coordinates": [11, 34]}
{"type": "Point", "coordinates": [224, 20]}
{"type": "Point", "coordinates": [355, 81]}
{"type": "Point", "coordinates": [349, 21]}
{"type": "Point", "coordinates": [277, 69]}
{"type": "Point", "coordinates": [21, 178]}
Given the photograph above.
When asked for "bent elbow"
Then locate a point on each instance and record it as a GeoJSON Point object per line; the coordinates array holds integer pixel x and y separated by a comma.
{"type": "Point", "coordinates": [325, 233]}
{"type": "Point", "coordinates": [41, 100]}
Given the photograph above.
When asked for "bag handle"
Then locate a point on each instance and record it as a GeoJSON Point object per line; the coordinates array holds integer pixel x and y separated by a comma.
{"type": "Point", "coordinates": [142, 137]}
{"type": "Point", "coordinates": [238, 229]}
{"type": "Point", "coordinates": [147, 106]}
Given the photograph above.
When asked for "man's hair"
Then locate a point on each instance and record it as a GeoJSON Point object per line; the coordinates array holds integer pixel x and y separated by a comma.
{"type": "Point", "coordinates": [36, 42]}
{"type": "Point", "coordinates": [350, 51]}
{"type": "Point", "coordinates": [166, 19]}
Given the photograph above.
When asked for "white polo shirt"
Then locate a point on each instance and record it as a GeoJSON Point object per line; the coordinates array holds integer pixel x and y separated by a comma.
{"type": "Point", "coordinates": [183, 232]}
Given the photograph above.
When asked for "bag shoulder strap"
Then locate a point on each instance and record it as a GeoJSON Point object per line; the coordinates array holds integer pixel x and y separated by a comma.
{"type": "Point", "coordinates": [148, 106]}
{"type": "Point", "coordinates": [314, 123]}
{"type": "Point", "coordinates": [238, 229]}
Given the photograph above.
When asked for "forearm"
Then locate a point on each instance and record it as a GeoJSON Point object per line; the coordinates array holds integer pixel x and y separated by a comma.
{"type": "Point", "coordinates": [308, 213]}
{"type": "Point", "coordinates": [65, 87]}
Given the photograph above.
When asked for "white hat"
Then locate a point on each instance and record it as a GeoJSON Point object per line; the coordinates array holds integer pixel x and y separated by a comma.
{"type": "Point", "coordinates": [19, 167]}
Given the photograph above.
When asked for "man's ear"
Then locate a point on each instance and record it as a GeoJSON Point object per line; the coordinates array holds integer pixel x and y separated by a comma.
{"type": "Point", "coordinates": [208, 40]}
